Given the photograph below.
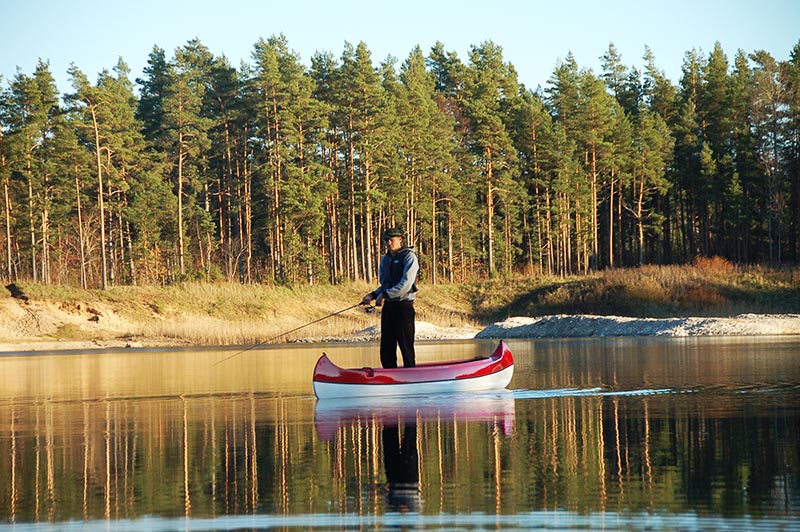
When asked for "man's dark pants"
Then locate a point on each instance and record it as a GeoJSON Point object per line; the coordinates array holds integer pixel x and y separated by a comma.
{"type": "Point", "coordinates": [397, 329]}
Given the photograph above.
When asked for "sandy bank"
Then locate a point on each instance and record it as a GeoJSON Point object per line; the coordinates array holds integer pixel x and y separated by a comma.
{"type": "Point", "coordinates": [37, 326]}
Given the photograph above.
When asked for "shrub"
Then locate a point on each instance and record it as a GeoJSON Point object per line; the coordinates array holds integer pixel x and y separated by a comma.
{"type": "Point", "coordinates": [714, 265]}
{"type": "Point", "coordinates": [702, 298]}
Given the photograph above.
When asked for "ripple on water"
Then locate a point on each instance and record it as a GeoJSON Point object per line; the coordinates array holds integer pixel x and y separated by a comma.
{"type": "Point", "coordinates": [559, 519]}
{"type": "Point", "coordinates": [585, 392]}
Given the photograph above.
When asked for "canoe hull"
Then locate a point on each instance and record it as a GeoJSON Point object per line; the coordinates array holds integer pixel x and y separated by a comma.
{"type": "Point", "coordinates": [474, 375]}
{"type": "Point", "coordinates": [495, 381]}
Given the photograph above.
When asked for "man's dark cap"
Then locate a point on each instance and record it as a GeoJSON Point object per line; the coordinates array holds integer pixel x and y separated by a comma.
{"type": "Point", "coordinates": [390, 232]}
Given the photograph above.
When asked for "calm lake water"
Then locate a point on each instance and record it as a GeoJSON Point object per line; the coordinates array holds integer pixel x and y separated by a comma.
{"type": "Point", "coordinates": [611, 434]}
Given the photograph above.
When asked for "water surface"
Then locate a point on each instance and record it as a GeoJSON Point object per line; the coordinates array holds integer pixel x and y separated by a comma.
{"type": "Point", "coordinates": [630, 434]}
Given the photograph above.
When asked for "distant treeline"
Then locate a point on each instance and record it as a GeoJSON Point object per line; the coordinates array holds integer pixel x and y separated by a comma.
{"type": "Point", "coordinates": [278, 172]}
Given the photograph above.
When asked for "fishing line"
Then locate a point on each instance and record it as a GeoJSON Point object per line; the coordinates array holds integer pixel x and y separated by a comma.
{"type": "Point", "coordinates": [285, 333]}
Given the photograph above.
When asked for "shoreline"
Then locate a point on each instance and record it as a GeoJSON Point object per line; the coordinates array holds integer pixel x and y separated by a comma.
{"type": "Point", "coordinates": [743, 301]}
{"type": "Point", "coordinates": [591, 326]}
{"type": "Point", "coordinates": [553, 326]}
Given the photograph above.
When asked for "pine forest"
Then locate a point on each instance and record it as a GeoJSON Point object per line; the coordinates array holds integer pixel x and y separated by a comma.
{"type": "Point", "coordinates": [278, 172]}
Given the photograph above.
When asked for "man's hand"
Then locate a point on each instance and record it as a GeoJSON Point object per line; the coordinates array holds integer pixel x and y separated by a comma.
{"type": "Point", "coordinates": [367, 299]}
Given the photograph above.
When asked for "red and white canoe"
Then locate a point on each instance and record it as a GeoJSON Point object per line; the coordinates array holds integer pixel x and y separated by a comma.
{"type": "Point", "coordinates": [471, 375]}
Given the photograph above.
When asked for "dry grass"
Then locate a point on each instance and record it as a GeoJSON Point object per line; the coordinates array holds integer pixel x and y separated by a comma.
{"type": "Point", "coordinates": [228, 314]}
{"type": "Point", "coordinates": [709, 287]}
{"type": "Point", "coordinates": [222, 314]}
{"type": "Point", "coordinates": [233, 314]}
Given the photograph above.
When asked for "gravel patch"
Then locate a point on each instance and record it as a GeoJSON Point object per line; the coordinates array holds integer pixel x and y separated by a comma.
{"type": "Point", "coordinates": [584, 325]}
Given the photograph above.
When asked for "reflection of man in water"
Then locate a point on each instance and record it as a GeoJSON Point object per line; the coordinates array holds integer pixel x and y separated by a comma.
{"type": "Point", "coordinates": [402, 467]}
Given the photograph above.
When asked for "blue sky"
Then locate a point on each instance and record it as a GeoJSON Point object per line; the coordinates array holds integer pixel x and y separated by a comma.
{"type": "Point", "coordinates": [534, 35]}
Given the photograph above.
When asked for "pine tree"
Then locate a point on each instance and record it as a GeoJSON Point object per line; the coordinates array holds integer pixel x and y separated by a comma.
{"type": "Point", "coordinates": [184, 134]}
{"type": "Point", "coordinates": [693, 192]}
{"type": "Point", "coordinates": [104, 117]}
{"type": "Point", "coordinates": [654, 147]}
{"type": "Point", "coordinates": [620, 171]}
{"type": "Point", "coordinates": [32, 117]}
{"type": "Point", "coordinates": [768, 116]}
{"type": "Point", "coordinates": [624, 84]}
{"type": "Point", "coordinates": [534, 140]}
{"type": "Point", "coordinates": [594, 137]}
{"type": "Point", "coordinates": [305, 188]}
{"type": "Point", "coordinates": [450, 76]}
{"type": "Point", "coordinates": [790, 78]}
{"type": "Point", "coordinates": [742, 201]}
{"type": "Point", "coordinates": [153, 91]}
{"type": "Point", "coordinates": [427, 146]}
{"type": "Point", "coordinates": [6, 158]}
{"type": "Point", "coordinates": [361, 100]}
{"type": "Point", "coordinates": [275, 172]}
{"type": "Point", "coordinates": [657, 91]}
{"type": "Point", "coordinates": [223, 106]}
{"type": "Point", "coordinates": [490, 90]}
{"type": "Point", "coordinates": [92, 110]}
{"type": "Point", "coordinates": [323, 73]}
{"type": "Point", "coordinates": [72, 164]}
{"type": "Point", "coordinates": [714, 105]}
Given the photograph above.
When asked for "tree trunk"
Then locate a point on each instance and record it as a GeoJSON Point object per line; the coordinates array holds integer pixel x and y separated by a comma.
{"type": "Point", "coordinates": [611, 223]}
{"type": "Point", "coordinates": [434, 256]}
{"type": "Point", "coordinates": [351, 207]}
{"type": "Point", "coordinates": [489, 213]}
{"type": "Point", "coordinates": [248, 219]}
{"type": "Point", "coordinates": [31, 223]}
{"type": "Point", "coordinates": [368, 236]}
{"type": "Point", "coordinates": [592, 261]}
{"type": "Point", "coordinates": [100, 201]}
{"type": "Point", "coordinates": [7, 213]}
{"type": "Point", "coordinates": [181, 263]}
{"type": "Point", "coordinates": [81, 243]}
{"type": "Point", "coordinates": [450, 251]}
{"type": "Point", "coordinates": [45, 235]}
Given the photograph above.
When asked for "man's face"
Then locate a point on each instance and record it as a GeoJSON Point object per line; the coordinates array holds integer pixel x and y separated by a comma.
{"type": "Point", "coordinates": [394, 243]}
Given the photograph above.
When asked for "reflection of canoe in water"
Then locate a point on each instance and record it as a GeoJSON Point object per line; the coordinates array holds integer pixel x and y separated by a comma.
{"type": "Point", "coordinates": [488, 407]}
{"type": "Point", "coordinates": [476, 374]}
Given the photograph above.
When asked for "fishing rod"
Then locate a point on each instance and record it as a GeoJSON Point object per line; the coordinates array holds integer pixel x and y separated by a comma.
{"type": "Point", "coordinates": [285, 333]}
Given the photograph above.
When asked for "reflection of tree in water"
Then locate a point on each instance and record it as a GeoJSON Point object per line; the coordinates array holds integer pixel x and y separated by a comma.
{"type": "Point", "coordinates": [211, 456]}
{"type": "Point", "coordinates": [721, 453]}
{"type": "Point", "coordinates": [401, 463]}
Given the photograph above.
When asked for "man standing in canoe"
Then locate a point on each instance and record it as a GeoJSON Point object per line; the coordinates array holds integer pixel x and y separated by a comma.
{"type": "Point", "coordinates": [397, 274]}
